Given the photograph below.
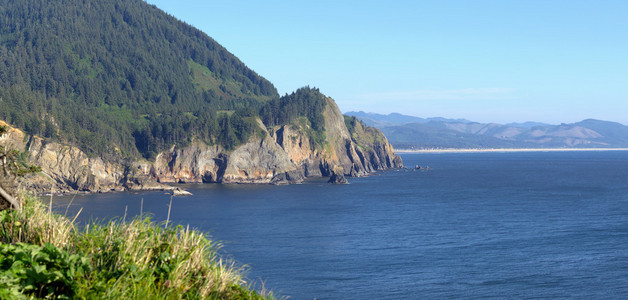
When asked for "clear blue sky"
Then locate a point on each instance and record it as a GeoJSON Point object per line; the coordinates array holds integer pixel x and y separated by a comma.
{"type": "Point", "coordinates": [487, 61]}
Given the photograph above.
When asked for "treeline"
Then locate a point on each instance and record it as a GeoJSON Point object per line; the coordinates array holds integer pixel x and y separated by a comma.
{"type": "Point", "coordinates": [100, 74]}
{"type": "Point", "coordinates": [305, 102]}
{"type": "Point", "coordinates": [122, 79]}
{"type": "Point", "coordinates": [226, 129]}
{"type": "Point", "coordinates": [232, 128]}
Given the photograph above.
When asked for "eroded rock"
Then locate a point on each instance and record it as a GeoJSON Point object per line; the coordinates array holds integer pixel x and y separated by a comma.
{"type": "Point", "coordinates": [282, 154]}
{"type": "Point", "coordinates": [337, 176]}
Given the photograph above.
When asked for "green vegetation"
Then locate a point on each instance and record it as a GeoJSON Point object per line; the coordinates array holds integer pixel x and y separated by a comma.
{"type": "Point", "coordinates": [306, 105]}
{"type": "Point", "coordinates": [123, 79]}
{"type": "Point", "coordinates": [119, 74]}
{"type": "Point", "coordinates": [44, 255]}
{"type": "Point", "coordinates": [12, 164]}
{"type": "Point", "coordinates": [39, 271]}
{"type": "Point", "coordinates": [207, 81]}
{"type": "Point", "coordinates": [362, 135]}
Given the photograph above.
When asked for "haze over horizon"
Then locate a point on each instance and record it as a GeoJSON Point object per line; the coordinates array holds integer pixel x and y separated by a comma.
{"type": "Point", "coordinates": [349, 112]}
{"type": "Point", "coordinates": [486, 61]}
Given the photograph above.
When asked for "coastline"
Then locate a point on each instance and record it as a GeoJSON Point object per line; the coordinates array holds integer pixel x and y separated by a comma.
{"type": "Point", "coordinates": [168, 189]}
{"type": "Point", "coordinates": [172, 188]}
{"type": "Point", "coordinates": [410, 151]}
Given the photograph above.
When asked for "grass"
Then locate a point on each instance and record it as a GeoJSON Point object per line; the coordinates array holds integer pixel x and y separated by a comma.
{"type": "Point", "coordinates": [318, 138]}
{"type": "Point", "coordinates": [364, 136]}
{"type": "Point", "coordinates": [45, 255]}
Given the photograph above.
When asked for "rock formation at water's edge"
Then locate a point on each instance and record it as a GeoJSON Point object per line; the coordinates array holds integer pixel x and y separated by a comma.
{"type": "Point", "coordinates": [278, 155]}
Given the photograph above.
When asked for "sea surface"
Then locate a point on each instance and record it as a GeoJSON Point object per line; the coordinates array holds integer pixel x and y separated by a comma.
{"type": "Point", "coordinates": [475, 225]}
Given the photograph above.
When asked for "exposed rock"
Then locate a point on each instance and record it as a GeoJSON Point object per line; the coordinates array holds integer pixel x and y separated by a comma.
{"type": "Point", "coordinates": [193, 164]}
{"type": "Point", "coordinates": [66, 167]}
{"type": "Point", "coordinates": [138, 181]}
{"type": "Point", "coordinates": [337, 176]}
{"type": "Point", "coordinates": [258, 161]}
{"type": "Point", "coordinates": [261, 160]}
{"type": "Point", "coordinates": [282, 154]}
{"type": "Point", "coordinates": [7, 181]}
{"type": "Point", "coordinates": [180, 192]}
{"type": "Point", "coordinates": [294, 142]}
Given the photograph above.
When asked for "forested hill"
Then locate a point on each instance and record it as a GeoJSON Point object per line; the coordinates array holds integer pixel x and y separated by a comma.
{"type": "Point", "coordinates": [121, 78]}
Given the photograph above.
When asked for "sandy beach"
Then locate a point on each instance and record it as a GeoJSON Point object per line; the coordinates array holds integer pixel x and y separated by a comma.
{"type": "Point", "coordinates": [506, 150]}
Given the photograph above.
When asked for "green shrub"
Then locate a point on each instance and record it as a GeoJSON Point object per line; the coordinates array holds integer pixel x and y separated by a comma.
{"type": "Point", "coordinates": [44, 255]}
{"type": "Point", "coordinates": [43, 272]}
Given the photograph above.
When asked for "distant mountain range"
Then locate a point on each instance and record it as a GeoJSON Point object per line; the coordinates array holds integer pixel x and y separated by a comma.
{"type": "Point", "coordinates": [408, 132]}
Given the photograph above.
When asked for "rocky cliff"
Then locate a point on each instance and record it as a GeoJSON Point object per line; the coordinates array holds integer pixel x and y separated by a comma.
{"type": "Point", "coordinates": [282, 154]}
{"type": "Point", "coordinates": [279, 154]}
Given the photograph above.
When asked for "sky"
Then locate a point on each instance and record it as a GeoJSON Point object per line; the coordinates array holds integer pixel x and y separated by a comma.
{"type": "Point", "coordinates": [497, 61]}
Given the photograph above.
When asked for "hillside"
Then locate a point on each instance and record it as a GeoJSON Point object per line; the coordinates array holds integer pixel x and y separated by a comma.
{"type": "Point", "coordinates": [116, 94]}
{"type": "Point", "coordinates": [381, 120]}
{"type": "Point", "coordinates": [102, 74]}
{"type": "Point", "coordinates": [408, 132]}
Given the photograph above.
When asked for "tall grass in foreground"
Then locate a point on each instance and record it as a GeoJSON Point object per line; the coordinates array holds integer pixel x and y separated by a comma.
{"type": "Point", "coordinates": [44, 255]}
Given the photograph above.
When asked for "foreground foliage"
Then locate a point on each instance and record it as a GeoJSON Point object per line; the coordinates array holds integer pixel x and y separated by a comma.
{"type": "Point", "coordinates": [44, 255]}
{"type": "Point", "coordinates": [39, 271]}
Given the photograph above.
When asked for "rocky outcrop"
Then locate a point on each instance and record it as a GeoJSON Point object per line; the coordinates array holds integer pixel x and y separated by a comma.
{"type": "Point", "coordinates": [373, 145]}
{"type": "Point", "coordinates": [67, 168]}
{"type": "Point", "coordinates": [281, 154]}
{"type": "Point", "coordinates": [193, 164]}
{"type": "Point", "coordinates": [337, 176]}
{"type": "Point", "coordinates": [261, 160]}
{"type": "Point", "coordinates": [358, 152]}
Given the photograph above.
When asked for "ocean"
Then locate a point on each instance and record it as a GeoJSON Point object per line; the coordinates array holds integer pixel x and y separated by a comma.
{"type": "Point", "coordinates": [475, 225]}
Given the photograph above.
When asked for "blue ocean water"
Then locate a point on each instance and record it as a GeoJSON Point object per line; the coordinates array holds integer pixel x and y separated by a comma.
{"type": "Point", "coordinates": [476, 225]}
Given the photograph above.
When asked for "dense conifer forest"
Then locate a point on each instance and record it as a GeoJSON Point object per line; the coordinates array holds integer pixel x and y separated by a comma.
{"type": "Point", "coordinates": [123, 79]}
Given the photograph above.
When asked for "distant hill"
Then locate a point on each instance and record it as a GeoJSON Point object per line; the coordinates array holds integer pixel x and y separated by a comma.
{"type": "Point", "coordinates": [527, 124]}
{"type": "Point", "coordinates": [408, 132]}
{"type": "Point", "coordinates": [374, 119]}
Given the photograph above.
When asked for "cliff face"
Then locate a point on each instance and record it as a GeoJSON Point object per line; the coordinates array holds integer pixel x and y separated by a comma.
{"type": "Point", "coordinates": [282, 154]}
{"type": "Point", "coordinates": [179, 90]}
{"type": "Point", "coordinates": [260, 160]}
{"type": "Point", "coordinates": [67, 168]}
{"type": "Point", "coordinates": [341, 149]}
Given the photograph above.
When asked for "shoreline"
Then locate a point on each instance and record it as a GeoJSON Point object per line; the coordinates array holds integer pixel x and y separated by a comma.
{"type": "Point", "coordinates": [175, 188]}
{"type": "Point", "coordinates": [410, 151]}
